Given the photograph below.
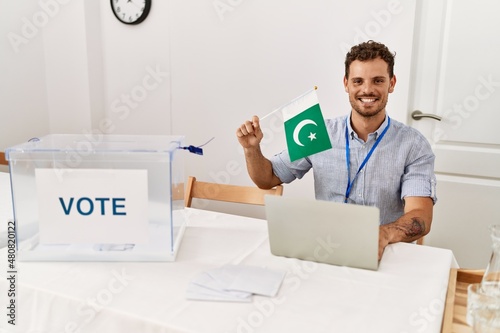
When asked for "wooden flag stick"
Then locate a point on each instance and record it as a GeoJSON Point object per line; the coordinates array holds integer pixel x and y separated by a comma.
{"type": "Point", "coordinates": [293, 100]}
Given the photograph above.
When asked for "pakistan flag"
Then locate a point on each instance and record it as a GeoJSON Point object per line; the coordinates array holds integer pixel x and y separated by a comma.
{"type": "Point", "coordinates": [305, 128]}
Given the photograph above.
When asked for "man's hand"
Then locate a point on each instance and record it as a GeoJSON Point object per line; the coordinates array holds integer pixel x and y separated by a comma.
{"type": "Point", "coordinates": [249, 134]}
{"type": "Point", "coordinates": [383, 241]}
{"type": "Point", "coordinates": [259, 168]}
{"type": "Point", "coordinates": [415, 223]}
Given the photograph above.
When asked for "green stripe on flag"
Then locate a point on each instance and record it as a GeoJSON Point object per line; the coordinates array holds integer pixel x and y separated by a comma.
{"type": "Point", "coordinates": [306, 133]}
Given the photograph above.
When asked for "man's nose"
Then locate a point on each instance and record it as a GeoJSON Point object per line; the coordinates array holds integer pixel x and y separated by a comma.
{"type": "Point", "coordinates": [367, 88]}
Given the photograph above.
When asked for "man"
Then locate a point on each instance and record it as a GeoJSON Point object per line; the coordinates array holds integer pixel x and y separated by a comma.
{"type": "Point", "coordinates": [374, 160]}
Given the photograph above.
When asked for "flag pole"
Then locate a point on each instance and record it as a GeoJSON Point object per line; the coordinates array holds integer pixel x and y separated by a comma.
{"type": "Point", "coordinates": [284, 105]}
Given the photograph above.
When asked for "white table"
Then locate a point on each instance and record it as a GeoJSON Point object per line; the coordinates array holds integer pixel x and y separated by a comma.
{"type": "Point", "coordinates": [406, 294]}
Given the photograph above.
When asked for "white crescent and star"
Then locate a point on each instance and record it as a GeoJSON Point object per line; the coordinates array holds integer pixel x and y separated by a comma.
{"type": "Point", "coordinates": [296, 131]}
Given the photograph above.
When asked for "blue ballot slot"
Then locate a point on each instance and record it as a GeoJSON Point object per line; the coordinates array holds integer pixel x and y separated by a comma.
{"type": "Point", "coordinates": [102, 198]}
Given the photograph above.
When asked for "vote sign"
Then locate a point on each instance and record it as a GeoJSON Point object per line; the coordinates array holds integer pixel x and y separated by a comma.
{"type": "Point", "coordinates": [88, 206]}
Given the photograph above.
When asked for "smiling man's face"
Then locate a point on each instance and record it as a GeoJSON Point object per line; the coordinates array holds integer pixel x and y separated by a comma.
{"type": "Point", "coordinates": [368, 86]}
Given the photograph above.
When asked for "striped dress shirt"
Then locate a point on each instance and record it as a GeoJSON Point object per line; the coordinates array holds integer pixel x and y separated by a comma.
{"type": "Point", "coordinates": [402, 165]}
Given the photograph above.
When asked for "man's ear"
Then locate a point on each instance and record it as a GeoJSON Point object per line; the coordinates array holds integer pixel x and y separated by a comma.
{"type": "Point", "coordinates": [392, 84]}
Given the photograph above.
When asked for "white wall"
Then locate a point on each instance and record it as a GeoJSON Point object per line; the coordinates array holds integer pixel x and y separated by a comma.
{"type": "Point", "coordinates": [136, 63]}
{"type": "Point", "coordinates": [67, 67]}
{"type": "Point", "coordinates": [23, 95]}
{"type": "Point", "coordinates": [44, 81]}
{"type": "Point", "coordinates": [249, 57]}
{"type": "Point", "coordinates": [197, 68]}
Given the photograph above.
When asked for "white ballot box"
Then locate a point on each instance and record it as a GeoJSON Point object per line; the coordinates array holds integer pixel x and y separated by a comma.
{"type": "Point", "coordinates": [98, 197]}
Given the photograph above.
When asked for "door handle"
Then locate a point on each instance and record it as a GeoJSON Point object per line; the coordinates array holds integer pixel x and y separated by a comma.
{"type": "Point", "coordinates": [417, 115]}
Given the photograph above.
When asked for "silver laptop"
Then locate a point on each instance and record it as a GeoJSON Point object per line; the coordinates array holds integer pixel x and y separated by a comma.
{"type": "Point", "coordinates": [323, 231]}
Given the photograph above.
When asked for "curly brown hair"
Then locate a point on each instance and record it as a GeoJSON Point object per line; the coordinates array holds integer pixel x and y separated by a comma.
{"type": "Point", "coordinates": [367, 51]}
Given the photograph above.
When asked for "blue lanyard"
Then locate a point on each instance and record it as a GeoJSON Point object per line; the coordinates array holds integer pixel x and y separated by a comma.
{"type": "Point", "coordinates": [348, 156]}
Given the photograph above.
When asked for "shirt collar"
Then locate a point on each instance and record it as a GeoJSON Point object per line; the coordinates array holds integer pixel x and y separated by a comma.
{"type": "Point", "coordinates": [376, 134]}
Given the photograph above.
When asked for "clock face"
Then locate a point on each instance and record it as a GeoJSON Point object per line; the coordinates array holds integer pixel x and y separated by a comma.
{"type": "Point", "coordinates": [131, 11]}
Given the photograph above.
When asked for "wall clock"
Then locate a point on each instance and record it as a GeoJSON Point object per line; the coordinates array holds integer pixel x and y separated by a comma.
{"type": "Point", "coordinates": [131, 11]}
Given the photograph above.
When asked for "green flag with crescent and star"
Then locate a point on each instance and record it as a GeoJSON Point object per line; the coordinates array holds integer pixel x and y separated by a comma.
{"type": "Point", "coordinates": [305, 128]}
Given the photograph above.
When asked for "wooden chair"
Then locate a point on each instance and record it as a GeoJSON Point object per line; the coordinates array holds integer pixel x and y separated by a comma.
{"type": "Point", "coordinates": [228, 193]}
{"type": "Point", "coordinates": [3, 161]}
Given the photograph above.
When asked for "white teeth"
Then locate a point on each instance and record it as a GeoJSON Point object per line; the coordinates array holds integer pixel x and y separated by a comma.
{"type": "Point", "coordinates": [367, 100]}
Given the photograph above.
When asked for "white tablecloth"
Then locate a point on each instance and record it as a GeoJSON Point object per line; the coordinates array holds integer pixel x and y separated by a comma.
{"type": "Point", "coordinates": [406, 294]}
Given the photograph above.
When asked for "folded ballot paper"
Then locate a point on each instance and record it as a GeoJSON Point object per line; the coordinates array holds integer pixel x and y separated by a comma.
{"type": "Point", "coordinates": [235, 283]}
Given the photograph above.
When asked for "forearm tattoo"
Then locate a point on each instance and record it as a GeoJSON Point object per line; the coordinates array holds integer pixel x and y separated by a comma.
{"type": "Point", "coordinates": [413, 229]}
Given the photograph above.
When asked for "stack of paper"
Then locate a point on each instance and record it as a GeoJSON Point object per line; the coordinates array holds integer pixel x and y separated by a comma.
{"type": "Point", "coordinates": [235, 283]}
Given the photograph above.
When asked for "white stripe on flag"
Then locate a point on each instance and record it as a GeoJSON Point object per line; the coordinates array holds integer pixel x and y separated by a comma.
{"type": "Point", "coordinates": [300, 104]}
{"type": "Point", "coordinates": [293, 101]}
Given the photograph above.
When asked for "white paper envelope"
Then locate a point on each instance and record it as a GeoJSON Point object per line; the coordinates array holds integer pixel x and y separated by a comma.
{"type": "Point", "coordinates": [257, 280]}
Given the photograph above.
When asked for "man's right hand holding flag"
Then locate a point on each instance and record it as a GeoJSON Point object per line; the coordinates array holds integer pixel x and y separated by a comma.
{"type": "Point", "coordinates": [259, 168]}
